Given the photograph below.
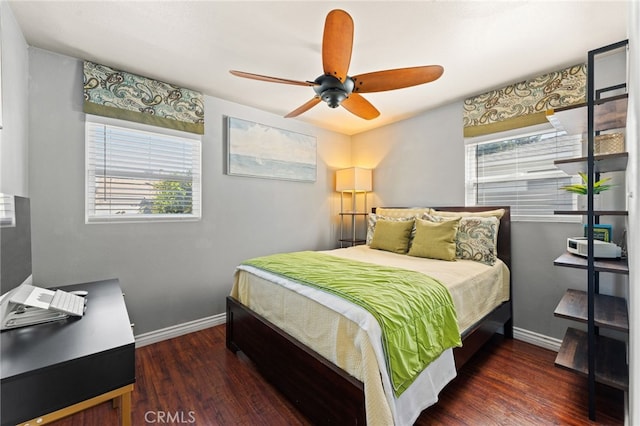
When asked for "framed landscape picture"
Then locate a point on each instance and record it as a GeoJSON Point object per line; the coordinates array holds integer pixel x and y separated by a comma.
{"type": "Point", "coordinates": [257, 150]}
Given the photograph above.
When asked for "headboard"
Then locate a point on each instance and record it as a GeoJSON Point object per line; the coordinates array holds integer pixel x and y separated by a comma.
{"type": "Point", "coordinates": [504, 231]}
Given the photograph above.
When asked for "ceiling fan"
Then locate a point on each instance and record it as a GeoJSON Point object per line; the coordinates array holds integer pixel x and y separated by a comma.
{"type": "Point", "coordinates": [335, 87]}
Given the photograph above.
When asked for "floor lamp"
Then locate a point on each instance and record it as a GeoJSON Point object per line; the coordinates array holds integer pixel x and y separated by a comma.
{"type": "Point", "coordinates": [354, 180]}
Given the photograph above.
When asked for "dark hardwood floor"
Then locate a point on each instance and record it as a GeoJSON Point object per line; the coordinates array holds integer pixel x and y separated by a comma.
{"type": "Point", "coordinates": [194, 379]}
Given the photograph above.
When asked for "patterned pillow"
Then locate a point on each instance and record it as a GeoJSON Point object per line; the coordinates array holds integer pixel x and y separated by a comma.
{"type": "Point", "coordinates": [476, 239]}
{"type": "Point", "coordinates": [373, 218]}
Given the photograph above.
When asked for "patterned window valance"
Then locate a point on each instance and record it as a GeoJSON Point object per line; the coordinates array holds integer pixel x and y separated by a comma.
{"type": "Point", "coordinates": [118, 94]}
{"type": "Point", "coordinates": [525, 103]}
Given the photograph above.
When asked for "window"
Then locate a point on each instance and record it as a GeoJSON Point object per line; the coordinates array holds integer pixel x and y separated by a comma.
{"type": "Point", "coordinates": [518, 171]}
{"type": "Point", "coordinates": [140, 173]}
{"type": "Point", "coordinates": [7, 211]}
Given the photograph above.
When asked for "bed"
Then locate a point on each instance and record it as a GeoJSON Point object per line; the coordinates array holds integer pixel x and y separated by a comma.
{"type": "Point", "coordinates": [315, 375]}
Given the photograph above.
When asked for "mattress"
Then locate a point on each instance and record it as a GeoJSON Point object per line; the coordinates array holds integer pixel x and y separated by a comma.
{"type": "Point", "coordinates": [350, 337]}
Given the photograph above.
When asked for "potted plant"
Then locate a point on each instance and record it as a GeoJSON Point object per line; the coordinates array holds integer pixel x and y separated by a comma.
{"type": "Point", "coordinates": [581, 188]}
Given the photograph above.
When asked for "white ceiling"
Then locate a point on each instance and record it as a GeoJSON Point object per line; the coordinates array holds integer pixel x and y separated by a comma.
{"type": "Point", "coordinates": [481, 44]}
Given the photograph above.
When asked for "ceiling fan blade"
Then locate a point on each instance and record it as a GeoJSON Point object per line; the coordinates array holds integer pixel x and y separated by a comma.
{"type": "Point", "coordinates": [272, 79]}
{"type": "Point", "coordinates": [359, 106]}
{"type": "Point", "coordinates": [337, 43]}
{"type": "Point", "coordinates": [380, 81]}
{"type": "Point", "coordinates": [304, 107]}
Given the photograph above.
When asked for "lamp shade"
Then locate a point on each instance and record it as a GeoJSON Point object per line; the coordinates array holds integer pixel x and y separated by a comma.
{"type": "Point", "coordinates": [353, 179]}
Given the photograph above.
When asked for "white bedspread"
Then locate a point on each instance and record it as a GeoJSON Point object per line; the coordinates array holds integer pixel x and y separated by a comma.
{"type": "Point", "coordinates": [350, 337]}
{"type": "Point", "coordinates": [476, 289]}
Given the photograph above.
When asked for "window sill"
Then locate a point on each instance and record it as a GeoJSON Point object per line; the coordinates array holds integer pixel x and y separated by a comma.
{"type": "Point", "coordinates": [550, 219]}
{"type": "Point", "coordinates": [144, 219]}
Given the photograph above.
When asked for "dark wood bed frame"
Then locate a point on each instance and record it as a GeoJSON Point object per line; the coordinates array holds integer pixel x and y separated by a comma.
{"type": "Point", "coordinates": [318, 388]}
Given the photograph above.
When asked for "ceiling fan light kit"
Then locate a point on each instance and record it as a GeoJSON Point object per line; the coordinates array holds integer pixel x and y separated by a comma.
{"type": "Point", "coordinates": [332, 90]}
{"type": "Point", "coordinates": [335, 87]}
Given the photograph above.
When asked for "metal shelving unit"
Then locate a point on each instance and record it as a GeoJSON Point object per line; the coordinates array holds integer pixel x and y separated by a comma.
{"type": "Point", "coordinates": [601, 359]}
{"type": "Point", "coordinates": [350, 236]}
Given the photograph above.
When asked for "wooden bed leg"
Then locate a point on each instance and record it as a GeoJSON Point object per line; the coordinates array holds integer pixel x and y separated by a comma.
{"type": "Point", "coordinates": [508, 329]}
{"type": "Point", "coordinates": [229, 331]}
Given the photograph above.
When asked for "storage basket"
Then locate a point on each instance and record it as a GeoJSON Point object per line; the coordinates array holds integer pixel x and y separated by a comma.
{"type": "Point", "coordinates": [609, 143]}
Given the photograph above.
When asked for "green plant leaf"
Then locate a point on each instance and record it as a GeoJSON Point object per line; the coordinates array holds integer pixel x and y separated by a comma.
{"type": "Point", "coordinates": [581, 188]}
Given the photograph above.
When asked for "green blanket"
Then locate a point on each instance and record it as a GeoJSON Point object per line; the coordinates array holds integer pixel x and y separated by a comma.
{"type": "Point", "coordinates": [415, 312]}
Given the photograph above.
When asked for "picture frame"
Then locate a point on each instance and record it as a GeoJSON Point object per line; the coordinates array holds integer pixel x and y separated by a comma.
{"type": "Point", "coordinates": [261, 151]}
{"type": "Point", "coordinates": [602, 232]}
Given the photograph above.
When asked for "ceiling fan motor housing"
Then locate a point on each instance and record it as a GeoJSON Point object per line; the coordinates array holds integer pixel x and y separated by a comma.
{"type": "Point", "coordinates": [332, 90]}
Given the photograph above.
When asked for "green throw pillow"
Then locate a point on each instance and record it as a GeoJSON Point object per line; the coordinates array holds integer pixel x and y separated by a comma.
{"type": "Point", "coordinates": [435, 240]}
{"type": "Point", "coordinates": [392, 236]}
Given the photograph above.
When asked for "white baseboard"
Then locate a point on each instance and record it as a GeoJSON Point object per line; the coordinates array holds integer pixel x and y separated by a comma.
{"type": "Point", "coordinates": [179, 330]}
{"type": "Point", "coordinates": [626, 409]}
{"type": "Point", "coordinates": [537, 339]}
{"type": "Point", "coordinates": [212, 321]}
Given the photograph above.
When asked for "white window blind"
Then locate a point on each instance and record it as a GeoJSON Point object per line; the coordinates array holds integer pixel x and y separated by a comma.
{"type": "Point", "coordinates": [7, 211]}
{"type": "Point", "coordinates": [519, 172]}
{"type": "Point", "coordinates": [135, 174]}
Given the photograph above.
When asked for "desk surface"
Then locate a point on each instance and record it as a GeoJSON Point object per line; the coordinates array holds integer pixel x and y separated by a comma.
{"type": "Point", "coordinates": [48, 367]}
{"type": "Point", "coordinates": [101, 328]}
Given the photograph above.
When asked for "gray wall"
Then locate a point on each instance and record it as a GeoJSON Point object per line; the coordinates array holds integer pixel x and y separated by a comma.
{"type": "Point", "coordinates": [421, 162]}
{"type": "Point", "coordinates": [171, 272]}
{"type": "Point", "coordinates": [14, 134]}
{"type": "Point", "coordinates": [415, 161]}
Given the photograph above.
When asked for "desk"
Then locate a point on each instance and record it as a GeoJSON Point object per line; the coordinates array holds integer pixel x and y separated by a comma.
{"type": "Point", "coordinates": [56, 369]}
